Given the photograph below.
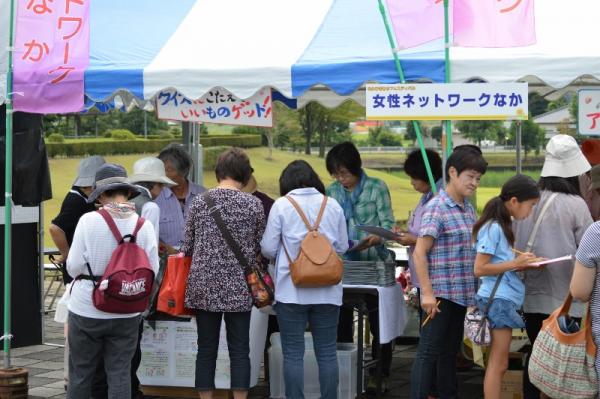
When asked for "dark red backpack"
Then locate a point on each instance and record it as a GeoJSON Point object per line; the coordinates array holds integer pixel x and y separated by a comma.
{"type": "Point", "coordinates": [126, 284]}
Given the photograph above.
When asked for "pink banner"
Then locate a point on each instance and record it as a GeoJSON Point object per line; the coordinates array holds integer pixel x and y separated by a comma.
{"type": "Point", "coordinates": [51, 55]}
{"type": "Point", "coordinates": [416, 21]}
{"type": "Point", "coordinates": [494, 23]}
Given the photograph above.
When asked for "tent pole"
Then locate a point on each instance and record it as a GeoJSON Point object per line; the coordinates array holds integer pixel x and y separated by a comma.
{"type": "Point", "coordinates": [519, 145]}
{"type": "Point", "coordinates": [400, 71]}
{"type": "Point", "coordinates": [8, 192]}
{"type": "Point", "coordinates": [448, 123]}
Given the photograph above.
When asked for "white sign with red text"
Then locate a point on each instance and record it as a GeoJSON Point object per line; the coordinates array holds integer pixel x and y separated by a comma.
{"type": "Point", "coordinates": [588, 120]}
{"type": "Point", "coordinates": [217, 106]}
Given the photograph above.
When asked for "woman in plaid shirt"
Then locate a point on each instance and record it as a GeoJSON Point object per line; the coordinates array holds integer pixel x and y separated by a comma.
{"type": "Point", "coordinates": [444, 258]}
{"type": "Point", "coordinates": [365, 201]}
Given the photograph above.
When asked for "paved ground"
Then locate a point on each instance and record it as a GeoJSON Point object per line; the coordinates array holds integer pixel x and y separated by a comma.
{"type": "Point", "coordinates": [45, 365]}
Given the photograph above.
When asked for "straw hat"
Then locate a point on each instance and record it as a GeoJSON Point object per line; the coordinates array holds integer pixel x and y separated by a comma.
{"type": "Point", "coordinates": [86, 171]}
{"type": "Point", "coordinates": [591, 150]}
{"type": "Point", "coordinates": [564, 158]}
{"type": "Point", "coordinates": [111, 176]}
{"type": "Point", "coordinates": [150, 169]}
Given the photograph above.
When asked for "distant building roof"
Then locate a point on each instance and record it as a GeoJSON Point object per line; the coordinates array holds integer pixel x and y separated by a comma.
{"type": "Point", "coordinates": [554, 117]}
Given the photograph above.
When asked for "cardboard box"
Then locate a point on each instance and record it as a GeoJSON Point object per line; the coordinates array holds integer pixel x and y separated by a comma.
{"type": "Point", "coordinates": [512, 385]}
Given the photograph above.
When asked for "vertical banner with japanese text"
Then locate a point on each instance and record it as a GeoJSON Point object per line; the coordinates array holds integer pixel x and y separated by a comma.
{"type": "Point", "coordinates": [217, 106]}
{"type": "Point", "coordinates": [51, 54]}
{"type": "Point", "coordinates": [4, 28]}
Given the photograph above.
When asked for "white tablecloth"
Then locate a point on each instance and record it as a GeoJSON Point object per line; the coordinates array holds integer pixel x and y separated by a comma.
{"type": "Point", "coordinates": [392, 311]}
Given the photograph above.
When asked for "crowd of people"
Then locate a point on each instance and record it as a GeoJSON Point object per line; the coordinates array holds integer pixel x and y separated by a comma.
{"type": "Point", "coordinates": [457, 260]}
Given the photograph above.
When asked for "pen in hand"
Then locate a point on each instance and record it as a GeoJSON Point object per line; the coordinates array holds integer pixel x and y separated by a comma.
{"type": "Point", "coordinates": [429, 315]}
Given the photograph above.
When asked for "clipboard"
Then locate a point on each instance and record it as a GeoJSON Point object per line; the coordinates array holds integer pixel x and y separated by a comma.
{"type": "Point", "coordinates": [548, 261]}
{"type": "Point", "coordinates": [379, 231]}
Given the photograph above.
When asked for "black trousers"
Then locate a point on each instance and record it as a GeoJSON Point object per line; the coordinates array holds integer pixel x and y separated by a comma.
{"type": "Point", "coordinates": [238, 343]}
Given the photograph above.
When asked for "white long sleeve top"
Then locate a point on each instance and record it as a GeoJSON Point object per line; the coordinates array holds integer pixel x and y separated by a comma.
{"type": "Point", "coordinates": [94, 243]}
{"type": "Point", "coordinates": [285, 224]}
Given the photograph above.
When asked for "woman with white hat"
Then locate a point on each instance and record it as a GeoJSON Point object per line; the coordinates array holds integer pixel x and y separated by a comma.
{"type": "Point", "coordinates": [95, 334]}
{"type": "Point", "coordinates": [560, 230]}
{"type": "Point", "coordinates": [150, 177]}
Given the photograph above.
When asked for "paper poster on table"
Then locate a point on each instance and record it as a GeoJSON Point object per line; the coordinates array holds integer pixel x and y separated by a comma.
{"type": "Point", "coordinates": [217, 106]}
{"type": "Point", "coordinates": [449, 101]}
{"type": "Point", "coordinates": [169, 353]}
{"type": "Point", "coordinates": [588, 120]}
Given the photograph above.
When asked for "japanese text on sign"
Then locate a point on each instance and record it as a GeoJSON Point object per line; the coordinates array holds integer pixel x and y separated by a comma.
{"type": "Point", "coordinates": [588, 121]}
{"type": "Point", "coordinates": [52, 46]}
{"type": "Point", "coordinates": [217, 106]}
{"type": "Point", "coordinates": [473, 101]}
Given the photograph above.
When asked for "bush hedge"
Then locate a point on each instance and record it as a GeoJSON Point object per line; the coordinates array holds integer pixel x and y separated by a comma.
{"type": "Point", "coordinates": [211, 154]}
{"type": "Point", "coordinates": [122, 134]}
{"type": "Point", "coordinates": [244, 141]}
{"type": "Point", "coordinates": [56, 138]}
{"type": "Point", "coordinates": [141, 146]}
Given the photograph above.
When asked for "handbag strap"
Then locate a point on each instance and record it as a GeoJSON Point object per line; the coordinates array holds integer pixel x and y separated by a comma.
{"type": "Point", "coordinates": [233, 245]}
{"type": "Point", "coordinates": [489, 302]}
{"type": "Point", "coordinates": [538, 221]}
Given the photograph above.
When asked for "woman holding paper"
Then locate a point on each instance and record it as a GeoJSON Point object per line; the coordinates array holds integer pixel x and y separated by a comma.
{"type": "Point", "coordinates": [559, 233]}
{"type": "Point", "coordinates": [414, 167]}
{"type": "Point", "coordinates": [366, 201]}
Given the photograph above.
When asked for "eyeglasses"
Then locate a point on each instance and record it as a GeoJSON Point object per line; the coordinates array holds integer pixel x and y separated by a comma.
{"type": "Point", "coordinates": [341, 174]}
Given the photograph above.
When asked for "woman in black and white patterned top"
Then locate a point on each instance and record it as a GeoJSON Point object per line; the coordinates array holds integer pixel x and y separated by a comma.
{"type": "Point", "coordinates": [585, 284]}
{"type": "Point", "coordinates": [216, 285]}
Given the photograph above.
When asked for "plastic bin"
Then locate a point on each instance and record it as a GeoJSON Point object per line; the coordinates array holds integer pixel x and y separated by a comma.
{"type": "Point", "coordinates": [346, 354]}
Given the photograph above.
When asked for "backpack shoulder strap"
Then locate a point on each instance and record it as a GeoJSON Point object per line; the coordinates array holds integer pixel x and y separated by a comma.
{"type": "Point", "coordinates": [300, 212]}
{"type": "Point", "coordinates": [321, 211]}
{"type": "Point", "coordinates": [111, 224]}
{"type": "Point", "coordinates": [138, 226]}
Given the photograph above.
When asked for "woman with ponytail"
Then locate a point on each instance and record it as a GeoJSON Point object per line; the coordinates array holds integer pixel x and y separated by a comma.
{"type": "Point", "coordinates": [495, 259]}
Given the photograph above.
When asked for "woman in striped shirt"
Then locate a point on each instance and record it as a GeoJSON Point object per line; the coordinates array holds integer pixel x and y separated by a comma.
{"type": "Point", "coordinates": [585, 284]}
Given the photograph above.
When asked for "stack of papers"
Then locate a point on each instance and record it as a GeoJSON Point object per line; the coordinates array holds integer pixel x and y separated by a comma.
{"type": "Point", "coordinates": [369, 273]}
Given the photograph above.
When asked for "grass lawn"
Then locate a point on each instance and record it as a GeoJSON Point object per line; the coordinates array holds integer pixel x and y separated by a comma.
{"type": "Point", "coordinates": [404, 198]}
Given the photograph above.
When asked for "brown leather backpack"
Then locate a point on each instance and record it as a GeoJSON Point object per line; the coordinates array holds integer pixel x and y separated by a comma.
{"type": "Point", "coordinates": [317, 264]}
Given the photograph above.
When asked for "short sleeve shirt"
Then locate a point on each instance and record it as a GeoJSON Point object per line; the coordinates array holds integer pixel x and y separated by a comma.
{"type": "Point", "coordinates": [452, 255]}
{"type": "Point", "coordinates": [492, 241]}
{"type": "Point", "coordinates": [73, 207]}
{"type": "Point", "coordinates": [588, 254]}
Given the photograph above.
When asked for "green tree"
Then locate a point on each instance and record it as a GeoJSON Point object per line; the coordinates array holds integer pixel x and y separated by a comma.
{"type": "Point", "coordinates": [574, 108]}
{"type": "Point", "coordinates": [480, 130]}
{"type": "Point", "coordinates": [315, 118]}
{"type": "Point", "coordinates": [286, 130]}
{"type": "Point", "coordinates": [537, 104]}
{"type": "Point", "coordinates": [558, 103]}
{"type": "Point", "coordinates": [532, 135]}
{"type": "Point", "coordinates": [411, 134]}
{"type": "Point", "coordinates": [436, 132]}
{"type": "Point", "coordinates": [383, 136]}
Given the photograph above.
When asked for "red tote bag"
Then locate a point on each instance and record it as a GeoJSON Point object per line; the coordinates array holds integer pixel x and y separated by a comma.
{"type": "Point", "coordinates": [171, 297]}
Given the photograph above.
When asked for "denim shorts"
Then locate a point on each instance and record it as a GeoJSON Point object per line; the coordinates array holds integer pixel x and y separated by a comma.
{"type": "Point", "coordinates": [502, 313]}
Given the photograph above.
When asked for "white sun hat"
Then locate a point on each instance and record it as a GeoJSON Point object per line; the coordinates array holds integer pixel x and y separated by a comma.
{"type": "Point", "coordinates": [564, 158]}
{"type": "Point", "coordinates": [150, 169]}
